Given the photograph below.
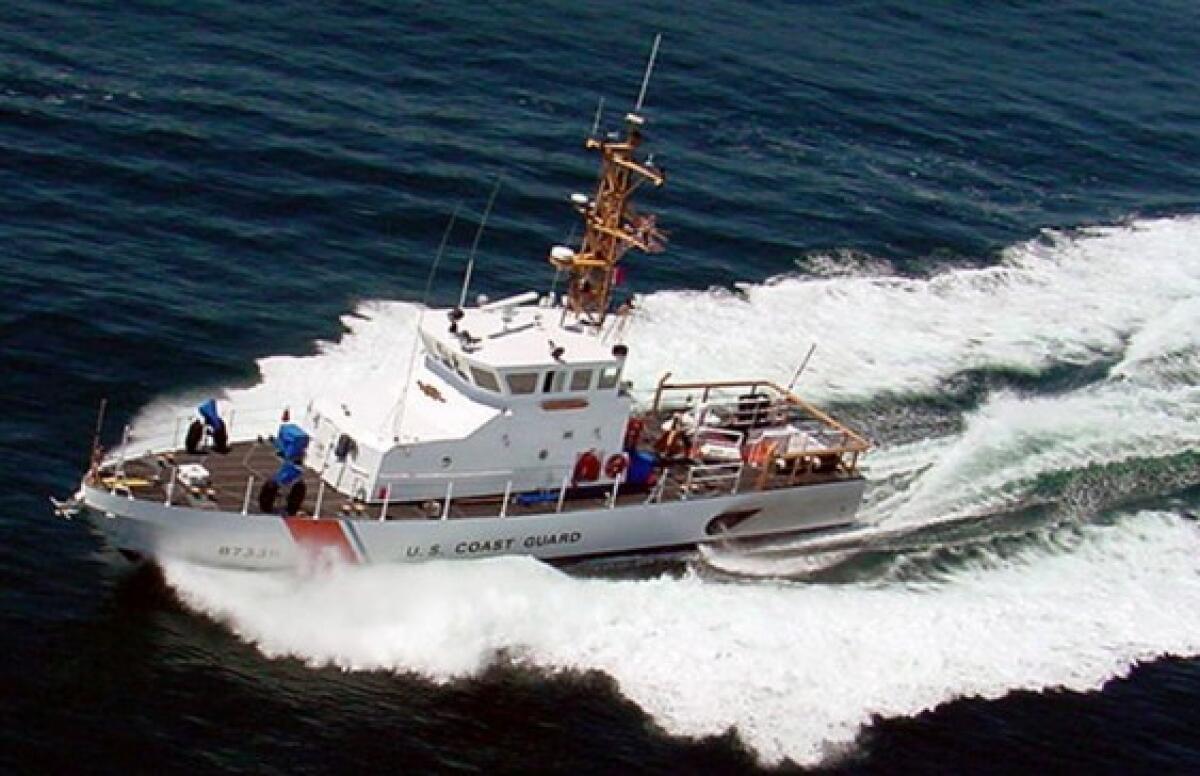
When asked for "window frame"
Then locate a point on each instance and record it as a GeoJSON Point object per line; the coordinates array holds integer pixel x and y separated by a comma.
{"type": "Point", "coordinates": [588, 373]}
{"type": "Point", "coordinates": [610, 377]}
{"type": "Point", "coordinates": [489, 382]}
{"type": "Point", "coordinates": [532, 377]}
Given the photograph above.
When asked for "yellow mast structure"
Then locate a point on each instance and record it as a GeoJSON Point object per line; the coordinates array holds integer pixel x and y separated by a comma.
{"type": "Point", "coordinates": [611, 225]}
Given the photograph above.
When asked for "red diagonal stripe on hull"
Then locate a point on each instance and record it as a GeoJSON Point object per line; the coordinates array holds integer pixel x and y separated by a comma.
{"type": "Point", "coordinates": [317, 535]}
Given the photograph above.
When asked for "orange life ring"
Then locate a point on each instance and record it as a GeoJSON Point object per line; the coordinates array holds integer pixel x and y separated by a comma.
{"type": "Point", "coordinates": [616, 465]}
{"type": "Point", "coordinates": [587, 467]}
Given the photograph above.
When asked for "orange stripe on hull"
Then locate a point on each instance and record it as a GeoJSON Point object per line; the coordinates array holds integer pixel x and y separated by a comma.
{"type": "Point", "coordinates": [319, 537]}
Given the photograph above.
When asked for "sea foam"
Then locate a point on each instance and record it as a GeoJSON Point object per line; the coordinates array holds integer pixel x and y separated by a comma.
{"type": "Point", "coordinates": [1064, 298]}
{"type": "Point", "coordinates": [797, 669]}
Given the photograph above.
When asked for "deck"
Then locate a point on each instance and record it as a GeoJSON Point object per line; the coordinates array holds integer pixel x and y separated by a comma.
{"type": "Point", "coordinates": [746, 434]}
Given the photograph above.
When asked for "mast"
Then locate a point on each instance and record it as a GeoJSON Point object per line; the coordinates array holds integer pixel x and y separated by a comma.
{"type": "Point", "coordinates": [611, 224]}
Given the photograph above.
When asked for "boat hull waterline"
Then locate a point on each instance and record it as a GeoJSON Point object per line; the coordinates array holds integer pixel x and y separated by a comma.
{"type": "Point", "coordinates": [142, 529]}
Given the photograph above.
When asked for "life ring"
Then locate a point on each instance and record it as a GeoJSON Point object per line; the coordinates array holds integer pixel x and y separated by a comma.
{"type": "Point", "coordinates": [616, 465]}
{"type": "Point", "coordinates": [587, 467]}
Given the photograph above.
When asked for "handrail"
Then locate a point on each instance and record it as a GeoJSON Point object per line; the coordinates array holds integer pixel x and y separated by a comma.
{"type": "Point", "coordinates": [860, 443]}
{"type": "Point", "coordinates": [711, 474]}
{"type": "Point", "coordinates": [252, 422]}
{"type": "Point", "coordinates": [409, 476]}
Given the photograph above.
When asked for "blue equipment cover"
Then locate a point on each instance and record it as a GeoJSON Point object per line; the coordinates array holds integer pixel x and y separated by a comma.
{"type": "Point", "coordinates": [291, 442]}
{"type": "Point", "coordinates": [287, 474]}
{"type": "Point", "coordinates": [641, 466]}
{"type": "Point", "coordinates": [208, 411]}
{"type": "Point", "coordinates": [537, 497]}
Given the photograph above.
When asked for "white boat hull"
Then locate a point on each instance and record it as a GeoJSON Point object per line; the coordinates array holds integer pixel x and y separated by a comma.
{"type": "Point", "coordinates": [150, 530]}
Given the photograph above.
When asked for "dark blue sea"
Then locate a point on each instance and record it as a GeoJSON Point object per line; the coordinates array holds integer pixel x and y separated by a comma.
{"type": "Point", "coordinates": [985, 215]}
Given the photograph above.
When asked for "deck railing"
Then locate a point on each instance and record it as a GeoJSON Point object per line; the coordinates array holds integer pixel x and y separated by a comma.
{"type": "Point", "coordinates": [168, 434]}
{"type": "Point", "coordinates": [746, 404]}
{"type": "Point", "coordinates": [715, 479]}
{"type": "Point", "coordinates": [762, 403]}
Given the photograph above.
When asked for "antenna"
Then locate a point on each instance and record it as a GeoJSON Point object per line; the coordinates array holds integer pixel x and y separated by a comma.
{"type": "Point", "coordinates": [646, 78]}
{"type": "Point", "coordinates": [438, 259]}
{"type": "Point", "coordinates": [462, 298]}
{"type": "Point", "coordinates": [412, 356]}
{"type": "Point", "coordinates": [800, 371]}
{"type": "Point", "coordinates": [596, 121]}
{"type": "Point", "coordinates": [611, 225]}
{"type": "Point", "coordinates": [93, 458]}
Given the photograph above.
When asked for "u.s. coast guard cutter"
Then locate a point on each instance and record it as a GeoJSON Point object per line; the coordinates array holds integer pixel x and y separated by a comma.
{"type": "Point", "coordinates": [515, 433]}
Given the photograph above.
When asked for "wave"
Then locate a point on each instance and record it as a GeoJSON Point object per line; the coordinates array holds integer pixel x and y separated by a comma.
{"type": "Point", "coordinates": [1065, 298]}
{"type": "Point", "coordinates": [797, 670]}
{"type": "Point", "coordinates": [1011, 441]}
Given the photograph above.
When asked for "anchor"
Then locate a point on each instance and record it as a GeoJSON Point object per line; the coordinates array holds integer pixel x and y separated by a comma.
{"type": "Point", "coordinates": [69, 509]}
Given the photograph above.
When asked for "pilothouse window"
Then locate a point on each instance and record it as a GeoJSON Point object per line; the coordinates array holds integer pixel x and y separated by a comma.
{"type": "Point", "coordinates": [581, 379]}
{"type": "Point", "coordinates": [485, 379]}
{"type": "Point", "coordinates": [521, 382]}
{"type": "Point", "coordinates": [553, 382]}
{"type": "Point", "coordinates": [608, 377]}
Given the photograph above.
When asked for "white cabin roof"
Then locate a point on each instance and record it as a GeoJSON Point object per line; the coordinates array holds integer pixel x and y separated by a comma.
{"type": "Point", "coordinates": [518, 337]}
{"type": "Point", "coordinates": [435, 409]}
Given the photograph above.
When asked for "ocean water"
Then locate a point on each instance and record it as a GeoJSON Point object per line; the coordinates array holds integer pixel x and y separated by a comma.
{"type": "Point", "coordinates": [986, 216]}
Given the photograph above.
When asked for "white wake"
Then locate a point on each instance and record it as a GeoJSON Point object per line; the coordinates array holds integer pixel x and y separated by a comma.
{"type": "Point", "coordinates": [1065, 298]}
{"type": "Point", "coordinates": [797, 668]}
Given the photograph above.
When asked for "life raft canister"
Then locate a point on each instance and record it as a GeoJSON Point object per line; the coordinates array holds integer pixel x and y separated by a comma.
{"type": "Point", "coordinates": [616, 465]}
{"type": "Point", "coordinates": [587, 467]}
